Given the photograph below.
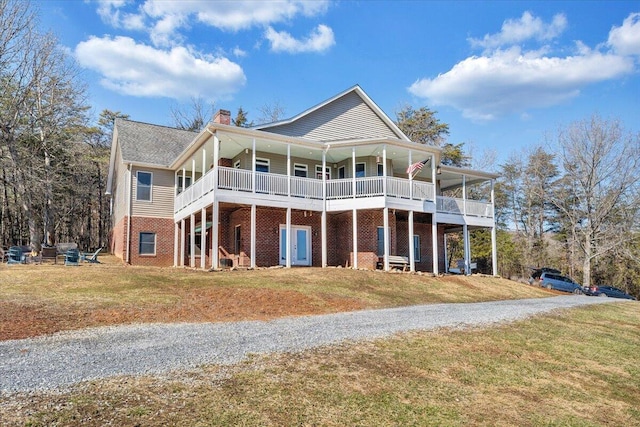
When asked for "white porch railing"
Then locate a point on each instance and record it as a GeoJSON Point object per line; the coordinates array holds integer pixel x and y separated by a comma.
{"type": "Point", "coordinates": [282, 185]}
{"type": "Point", "coordinates": [464, 207]}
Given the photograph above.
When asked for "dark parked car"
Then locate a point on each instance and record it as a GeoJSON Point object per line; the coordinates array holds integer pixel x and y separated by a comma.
{"type": "Point", "coordinates": [607, 291]}
{"type": "Point", "coordinates": [559, 283]}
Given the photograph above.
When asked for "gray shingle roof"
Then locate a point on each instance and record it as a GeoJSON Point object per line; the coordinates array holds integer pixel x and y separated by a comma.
{"type": "Point", "coordinates": [152, 144]}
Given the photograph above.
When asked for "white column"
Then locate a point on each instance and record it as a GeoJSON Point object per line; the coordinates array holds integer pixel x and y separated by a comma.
{"type": "Point", "coordinates": [353, 169]}
{"type": "Point", "coordinates": [253, 164]}
{"type": "Point", "coordinates": [323, 219]}
{"type": "Point", "coordinates": [203, 238]}
{"type": "Point", "coordinates": [253, 236]}
{"type": "Point", "coordinates": [464, 195]}
{"type": "Point", "coordinates": [216, 158]}
{"type": "Point", "coordinates": [385, 237]}
{"type": "Point", "coordinates": [494, 242]}
{"type": "Point", "coordinates": [184, 178]}
{"type": "Point", "coordinates": [355, 237]}
{"type": "Point", "coordinates": [384, 170]}
{"type": "Point", "coordinates": [410, 178]}
{"type": "Point", "coordinates": [446, 255]}
{"type": "Point", "coordinates": [192, 241]}
{"type": "Point", "coordinates": [183, 235]}
{"type": "Point", "coordinates": [176, 244]}
{"type": "Point", "coordinates": [193, 170]}
{"type": "Point", "coordinates": [465, 238]}
{"type": "Point", "coordinates": [215, 256]}
{"type": "Point", "coordinates": [434, 221]}
{"type": "Point", "coordinates": [288, 239]}
{"type": "Point", "coordinates": [289, 170]}
{"type": "Point", "coordinates": [412, 255]}
{"type": "Point", "coordinates": [204, 161]}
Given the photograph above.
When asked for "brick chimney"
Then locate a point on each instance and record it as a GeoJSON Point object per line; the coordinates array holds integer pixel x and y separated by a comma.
{"type": "Point", "coordinates": [223, 117]}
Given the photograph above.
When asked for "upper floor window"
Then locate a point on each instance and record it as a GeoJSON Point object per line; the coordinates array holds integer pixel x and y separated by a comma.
{"type": "Point", "coordinates": [143, 186]}
{"type": "Point", "coordinates": [262, 165]}
{"type": "Point", "coordinates": [360, 170]}
{"type": "Point", "coordinates": [341, 172]}
{"type": "Point", "coordinates": [380, 169]}
{"type": "Point", "coordinates": [300, 170]}
{"type": "Point", "coordinates": [327, 172]}
{"type": "Point", "coordinates": [187, 183]}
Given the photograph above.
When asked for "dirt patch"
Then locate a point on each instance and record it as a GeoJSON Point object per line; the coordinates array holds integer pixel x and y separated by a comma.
{"type": "Point", "coordinates": [20, 320]}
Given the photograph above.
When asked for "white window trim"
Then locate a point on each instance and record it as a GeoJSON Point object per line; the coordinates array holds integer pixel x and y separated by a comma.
{"type": "Point", "coordinates": [301, 167]}
{"type": "Point", "coordinates": [263, 162]}
{"type": "Point", "coordinates": [155, 243]}
{"type": "Point", "coordinates": [150, 187]}
{"type": "Point", "coordinates": [319, 171]}
{"type": "Point", "coordinates": [236, 164]}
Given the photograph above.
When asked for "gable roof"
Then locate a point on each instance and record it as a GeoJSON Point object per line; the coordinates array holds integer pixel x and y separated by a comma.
{"type": "Point", "coordinates": [150, 144]}
{"type": "Point", "coordinates": [348, 115]}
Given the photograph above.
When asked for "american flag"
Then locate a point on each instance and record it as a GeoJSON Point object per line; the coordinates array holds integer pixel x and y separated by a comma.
{"type": "Point", "coordinates": [414, 168]}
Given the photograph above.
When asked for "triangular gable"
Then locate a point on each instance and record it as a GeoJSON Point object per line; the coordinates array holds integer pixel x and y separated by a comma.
{"type": "Point", "coordinates": [348, 115]}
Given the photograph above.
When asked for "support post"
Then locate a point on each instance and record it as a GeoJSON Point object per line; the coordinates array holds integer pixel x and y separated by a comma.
{"type": "Point", "coordinates": [412, 254]}
{"type": "Point", "coordinates": [203, 238]}
{"type": "Point", "coordinates": [434, 222]}
{"type": "Point", "coordinates": [385, 235]}
{"type": "Point", "coordinates": [192, 241]}
{"type": "Point", "coordinates": [253, 236]}
{"type": "Point", "coordinates": [182, 241]}
{"type": "Point", "coordinates": [215, 256]}
{"type": "Point", "coordinates": [355, 237]}
{"type": "Point", "coordinates": [176, 243]}
{"type": "Point", "coordinates": [288, 239]}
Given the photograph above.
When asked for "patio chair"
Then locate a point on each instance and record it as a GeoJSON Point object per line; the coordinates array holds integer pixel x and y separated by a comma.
{"type": "Point", "coordinates": [16, 256]}
{"type": "Point", "coordinates": [72, 257]}
{"type": "Point", "coordinates": [93, 258]}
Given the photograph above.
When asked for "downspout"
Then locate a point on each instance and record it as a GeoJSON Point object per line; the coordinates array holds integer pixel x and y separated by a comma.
{"type": "Point", "coordinates": [129, 185]}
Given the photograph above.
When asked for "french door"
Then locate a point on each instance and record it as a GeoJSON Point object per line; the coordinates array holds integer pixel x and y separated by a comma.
{"type": "Point", "coordinates": [300, 245]}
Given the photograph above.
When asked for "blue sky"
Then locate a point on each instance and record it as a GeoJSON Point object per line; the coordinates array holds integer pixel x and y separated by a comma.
{"type": "Point", "coordinates": [503, 75]}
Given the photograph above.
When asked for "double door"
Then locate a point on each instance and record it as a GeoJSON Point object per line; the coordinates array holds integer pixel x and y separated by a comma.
{"type": "Point", "coordinates": [300, 245]}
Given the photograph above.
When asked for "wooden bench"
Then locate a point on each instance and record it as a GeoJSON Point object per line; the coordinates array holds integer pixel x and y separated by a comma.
{"type": "Point", "coordinates": [49, 254]}
{"type": "Point", "coordinates": [395, 261]}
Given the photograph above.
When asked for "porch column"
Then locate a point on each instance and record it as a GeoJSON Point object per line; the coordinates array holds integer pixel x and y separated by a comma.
{"type": "Point", "coordinates": [353, 170]}
{"type": "Point", "coordinates": [193, 170]}
{"type": "Point", "coordinates": [215, 258]}
{"type": "Point", "coordinates": [323, 219]}
{"type": "Point", "coordinates": [410, 178]}
{"type": "Point", "coordinates": [204, 161]}
{"type": "Point", "coordinates": [176, 243]}
{"type": "Point", "coordinates": [494, 243]}
{"type": "Point", "coordinates": [355, 234]}
{"type": "Point", "coordinates": [203, 238]}
{"type": "Point", "coordinates": [182, 240]}
{"type": "Point", "coordinates": [467, 261]}
{"type": "Point", "coordinates": [288, 171]}
{"type": "Point", "coordinates": [216, 167]}
{"type": "Point", "coordinates": [434, 221]}
{"type": "Point", "coordinates": [412, 255]}
{"type": "Point", "coordinates": [184, 178]}
{"type": "Point", "coordinates": [192, 241]}
{"type": "Point", "coordinates": [386, 235]}
{"type": "Point", "coordinates": [288, 239]}
{"type": "Point", "coordinates": [384, 170]}
{"type": "Point", "coordinates": [464, 195]}
{"type": "Point", "coordinates": [253, 164]}
{"type": "Point", "coordinates": [253, 236]}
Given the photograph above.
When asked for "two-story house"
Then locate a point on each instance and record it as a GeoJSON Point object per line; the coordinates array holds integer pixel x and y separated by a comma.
{"type": "Point", "coordinates": [338, 184]}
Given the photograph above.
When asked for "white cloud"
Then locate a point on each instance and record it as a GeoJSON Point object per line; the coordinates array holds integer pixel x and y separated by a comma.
{"type": "Point", "coordinates": [164, 19]}
{"type": "Point", "coordinates": [319, 40]}
{"type": "Point", "coordinates": [507, 79]}
{"type": "Point", "coordinates": [136, 69]}
{"type": "Point", "coordinates": [528, 27]}
{"type": "Point", "coordinates": [625, 40]}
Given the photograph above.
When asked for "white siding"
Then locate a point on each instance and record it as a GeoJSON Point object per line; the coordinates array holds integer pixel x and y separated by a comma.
{"type": "Point", "coordinates": [347, 117]}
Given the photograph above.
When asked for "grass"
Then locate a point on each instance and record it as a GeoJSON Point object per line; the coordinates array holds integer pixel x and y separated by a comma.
{"type": "Point", "coordinates": [42, 299]}
{"type": "Point", "coordinates": [576, 367]}
{"type": "Point", "coordinates": [572, 368]}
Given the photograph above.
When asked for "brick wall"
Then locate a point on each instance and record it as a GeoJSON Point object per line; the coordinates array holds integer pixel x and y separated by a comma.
{"type": "Point", "coordinates": [164, 230]}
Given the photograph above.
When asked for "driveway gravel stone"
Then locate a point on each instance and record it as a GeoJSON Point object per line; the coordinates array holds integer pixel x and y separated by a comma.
{"type": "Point", "coordinates": [59, 360]}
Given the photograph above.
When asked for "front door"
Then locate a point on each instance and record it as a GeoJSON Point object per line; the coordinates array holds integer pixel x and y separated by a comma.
{"type": "Point", "coordinates": [300, 245]}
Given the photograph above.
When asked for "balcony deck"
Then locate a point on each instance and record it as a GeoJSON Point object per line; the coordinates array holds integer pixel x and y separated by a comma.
{"type": "Point", "coordinates": [277, 186]}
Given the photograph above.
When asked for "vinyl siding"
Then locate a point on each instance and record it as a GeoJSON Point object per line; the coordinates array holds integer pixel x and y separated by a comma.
{"type": "Point", "coordinates": [347, 117]}
{"type": "Point", "coordinates": [119, 193]}
{"type": "Point", "coordinates": [162, 194]}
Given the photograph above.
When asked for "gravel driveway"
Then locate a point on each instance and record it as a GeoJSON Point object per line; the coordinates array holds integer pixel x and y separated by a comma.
{"type": "Point", "coordinates": [66, 358]}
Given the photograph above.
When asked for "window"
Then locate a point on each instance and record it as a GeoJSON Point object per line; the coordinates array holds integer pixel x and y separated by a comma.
{"type": "Point", "coordinates": [143, 185]}
{"type": "Point", "coordinates": [341, 174]}
{"type": "Point", "coordinates": [300, 170]}
{"type": "Point", "coordinates": [416, 247]}
{"type": "Point", "coordinates": [360, 170]}
{"type": "Point", "coordinates": [237, 239]}
{"type": "Point", "coordinates": [147, 244]}
{"type": "Point", "coordinates": [262, 165]}
{"type": "Point", "coordinates": [380, 241]}
{"type": "Point", "coordinates": [187, 183]}
{"type": "Point", "coordinates": [236, 164]}
{"type": "Point", "coordinates": [327, 171]}
{"type": "Point", "coordinates": [380, 170]}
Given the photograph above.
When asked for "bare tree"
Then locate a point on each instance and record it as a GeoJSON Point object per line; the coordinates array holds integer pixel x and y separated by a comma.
{"type": "Point", "coordinates": [194, 116]}
{"type": "Point", "coordinates": [270, 113]}
{"type": "Point", "coordinates": [599, 192]}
